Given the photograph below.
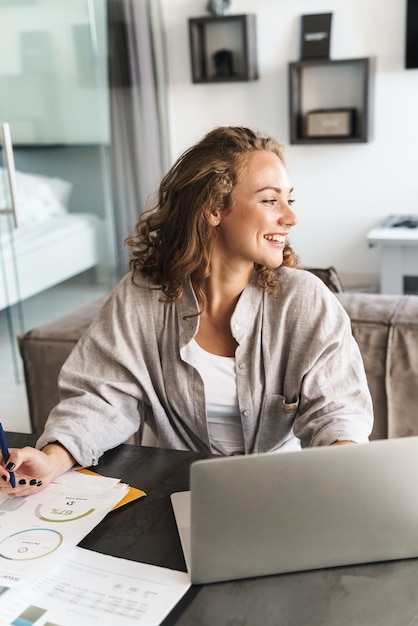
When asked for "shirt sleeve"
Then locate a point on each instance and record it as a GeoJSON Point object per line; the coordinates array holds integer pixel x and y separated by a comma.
{"type": "Point", "coordinates": [335, 402]}
{"type": "Point", "coordinates": [101, 385]}
{"type": "Point", "coordinates": [98, 406]}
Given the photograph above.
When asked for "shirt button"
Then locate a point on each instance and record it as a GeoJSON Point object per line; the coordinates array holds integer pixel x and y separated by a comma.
{"type": "Point", "coordinates": [242, 366]}
{"type": "Point", "coordinates": [245, 413]}
{"type": "Point", "coordinates": [236, 326]}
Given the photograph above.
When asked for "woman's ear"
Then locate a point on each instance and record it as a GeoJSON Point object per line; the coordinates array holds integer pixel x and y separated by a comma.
{"type": "Point", "coordinates": [213, 217]}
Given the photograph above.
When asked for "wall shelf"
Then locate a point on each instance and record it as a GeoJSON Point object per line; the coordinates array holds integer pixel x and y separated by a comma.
{"type": "Point", "coordinates": [325, 85]}
{"type": "Point", "coordinates": [223, 49]}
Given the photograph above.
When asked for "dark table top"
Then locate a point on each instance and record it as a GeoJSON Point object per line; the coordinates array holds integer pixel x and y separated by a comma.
{"type": "Point", "coordinates": [381, 594]}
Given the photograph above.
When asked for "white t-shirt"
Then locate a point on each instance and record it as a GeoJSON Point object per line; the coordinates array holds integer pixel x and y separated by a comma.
{"type": "Point", "coordinates": [224, 422]}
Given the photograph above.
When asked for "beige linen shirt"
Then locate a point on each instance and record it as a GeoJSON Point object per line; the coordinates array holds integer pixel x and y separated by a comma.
{"type": "Point", "coordinates": [298, 370]}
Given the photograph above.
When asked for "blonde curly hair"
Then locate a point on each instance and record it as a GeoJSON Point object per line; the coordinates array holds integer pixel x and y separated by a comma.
{"type": "Point", "coordinates": [172, 241]}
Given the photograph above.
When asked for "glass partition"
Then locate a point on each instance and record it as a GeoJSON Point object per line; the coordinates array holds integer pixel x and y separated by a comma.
{"type": "Point", "coordinates": [54, 98]}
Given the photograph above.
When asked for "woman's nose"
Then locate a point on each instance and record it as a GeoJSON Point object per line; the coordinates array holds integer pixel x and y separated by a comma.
{"type": "Point", "coordinates": [289, 217]}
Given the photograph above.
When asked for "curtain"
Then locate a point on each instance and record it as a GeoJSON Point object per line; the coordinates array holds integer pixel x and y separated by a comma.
{"type": "Point", "coordinates": [139, 149]}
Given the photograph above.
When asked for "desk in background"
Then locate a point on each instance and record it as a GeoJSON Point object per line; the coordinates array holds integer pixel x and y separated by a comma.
{"type": "Point", "coordinates": [397, 236]}
{"type": "Point", "coordinates": [382, 594]}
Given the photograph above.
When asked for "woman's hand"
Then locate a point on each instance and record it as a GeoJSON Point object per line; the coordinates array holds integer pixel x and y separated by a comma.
{"type": "Point", "coordinates": [33, 469]}
{"type": "Point", "coordinates": [342, 442]}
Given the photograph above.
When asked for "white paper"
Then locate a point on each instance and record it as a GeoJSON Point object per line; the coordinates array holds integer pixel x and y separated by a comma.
{"type": "Point", "coordinates": [89, 588]}
{"type": "Point", "coordinates": [37, 531]}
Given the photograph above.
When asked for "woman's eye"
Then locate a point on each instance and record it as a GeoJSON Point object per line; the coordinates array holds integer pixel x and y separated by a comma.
{"type": "Point", "coordinates": [274, 202]}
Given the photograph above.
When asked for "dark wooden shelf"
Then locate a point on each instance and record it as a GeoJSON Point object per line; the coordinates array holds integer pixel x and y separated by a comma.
{"type": "Point", "coordinates": [325, 84]}
{"type": "Point", "coordinates": [232, 35]}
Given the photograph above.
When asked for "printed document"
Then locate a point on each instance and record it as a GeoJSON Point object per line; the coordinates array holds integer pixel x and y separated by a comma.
{"type": "Point", "coordinates": [37, 531]}
{"type": "Point", "coordinates": [90, 588]}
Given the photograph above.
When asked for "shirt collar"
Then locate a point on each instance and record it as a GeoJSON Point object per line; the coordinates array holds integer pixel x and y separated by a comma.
{"type": "Point", "coordinates": [242, 319]}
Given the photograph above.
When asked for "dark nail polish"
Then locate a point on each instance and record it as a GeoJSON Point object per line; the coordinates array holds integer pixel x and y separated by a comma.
{"type": "Point", "coordinates": [33, 481]}
{"type": "Point", "coordinates": [4, 477]}
{"type": "Point", "coordinates": [10, 466]}
{"type": "Point", "coordinates": [22, 481]}
{"type": "Point", "coordinates": [39, 483]}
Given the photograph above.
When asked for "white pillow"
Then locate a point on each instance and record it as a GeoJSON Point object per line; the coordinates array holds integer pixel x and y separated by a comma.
{"type": "Point", "coordinates": [60, 188]}
{"type": "Point", "coordinates": [38, 197]}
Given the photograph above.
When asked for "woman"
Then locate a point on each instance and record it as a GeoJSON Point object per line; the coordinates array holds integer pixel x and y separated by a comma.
{"type": "Point", "coordinates": [214, 338]}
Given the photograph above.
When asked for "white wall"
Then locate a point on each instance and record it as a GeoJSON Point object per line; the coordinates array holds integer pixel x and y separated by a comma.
{"type": "Point", "coordinates": [341, 191]}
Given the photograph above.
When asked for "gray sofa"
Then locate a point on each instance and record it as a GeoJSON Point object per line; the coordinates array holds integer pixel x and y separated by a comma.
{"type": "Point", "coordinates": [385, 327]}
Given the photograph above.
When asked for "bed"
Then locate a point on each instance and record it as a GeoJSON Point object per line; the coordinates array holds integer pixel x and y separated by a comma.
{"type": "Point", "coordinates": [51, 243]}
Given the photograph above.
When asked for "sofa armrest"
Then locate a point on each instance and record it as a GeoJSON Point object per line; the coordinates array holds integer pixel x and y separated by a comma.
{"type": "Point", "coordinates": [43, 351]}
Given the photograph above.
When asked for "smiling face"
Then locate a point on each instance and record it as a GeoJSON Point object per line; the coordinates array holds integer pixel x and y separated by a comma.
{"type": "Point", "coordinates": [254, 226]}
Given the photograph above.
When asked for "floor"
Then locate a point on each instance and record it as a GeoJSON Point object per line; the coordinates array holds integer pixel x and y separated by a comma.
{"type": "Point", "coordinates": [38, 310]}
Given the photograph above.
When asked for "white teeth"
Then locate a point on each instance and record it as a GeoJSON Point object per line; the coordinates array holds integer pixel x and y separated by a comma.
{"type": "Point", "coordinates": [277, 238]}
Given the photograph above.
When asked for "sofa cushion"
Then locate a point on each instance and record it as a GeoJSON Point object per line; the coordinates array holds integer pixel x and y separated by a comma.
{"type": "Point", "coordinates": [329, 276]}
{"type": "Point", "coordinates": [386, 330]}
{"type": "Point", "coordinates": [402, 370]}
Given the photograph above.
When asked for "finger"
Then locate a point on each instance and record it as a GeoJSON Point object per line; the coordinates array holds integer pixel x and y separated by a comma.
{"type": "Point", "coordinates": [30, 460]}
{"type": "Point", "coordinates": [25, 488]}
{"type": "Point", "coordinates": [18, 456]}
{"type": "Point", "coordinates": [21, 480]}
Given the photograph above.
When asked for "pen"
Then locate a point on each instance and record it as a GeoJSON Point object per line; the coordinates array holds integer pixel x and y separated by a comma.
{"type": "Point", "coordinates": [6, 455]}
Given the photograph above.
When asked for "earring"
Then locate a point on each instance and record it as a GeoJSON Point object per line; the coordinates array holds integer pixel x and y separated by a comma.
{"type": "Point", "coordinates": [215, 222]}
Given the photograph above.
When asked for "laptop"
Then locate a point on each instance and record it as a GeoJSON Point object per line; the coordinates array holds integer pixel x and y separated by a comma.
{"type": "Point", "coordinates": [271, 513]}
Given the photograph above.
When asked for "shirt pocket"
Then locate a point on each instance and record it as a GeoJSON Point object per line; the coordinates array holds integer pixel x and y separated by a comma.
{"type": "Point", "coordinates": [276, 422]}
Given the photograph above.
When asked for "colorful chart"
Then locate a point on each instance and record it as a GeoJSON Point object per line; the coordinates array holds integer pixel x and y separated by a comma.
{"type": "Point", "coordinates": [29, 616]}
{"type": "Point", "coordinates": [30, 544]}
{"type": "Point", "coordinates": [69, 510]}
